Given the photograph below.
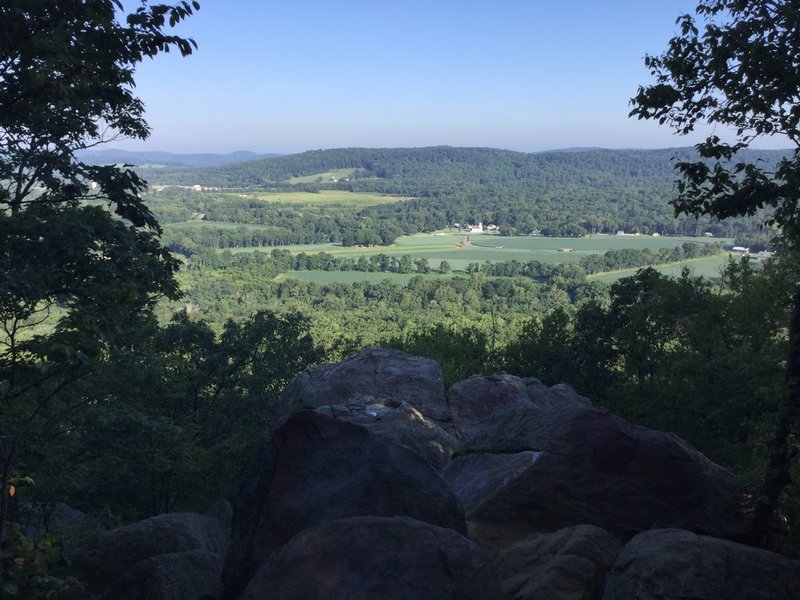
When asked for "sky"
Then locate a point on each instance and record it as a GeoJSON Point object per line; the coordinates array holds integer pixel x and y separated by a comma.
{"type": "Point", "coordinates": [292, 75]}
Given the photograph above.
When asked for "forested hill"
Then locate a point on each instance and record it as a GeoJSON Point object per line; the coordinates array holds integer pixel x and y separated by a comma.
{"type": "Point", "coordinates": [423, 171]}
{"type": "Point", "coordinates": [568, 193]}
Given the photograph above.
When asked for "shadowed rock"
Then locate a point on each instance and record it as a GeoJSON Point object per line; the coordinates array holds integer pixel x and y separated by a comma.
{"type": "Point", "coordinates": [473, 401]}
{"type": "Point", "coordinates": [536, 470]}
{"type": "Point", "coordinates": [670, 564]}
{"type": "Point", "coordinates": [108, 555]}
{"type": "Point", "coordinates": [543, 396]}
{"type": "Point", "coordinates": [191, 575]}
{"type": "Point", "coordinates": [375, 558]}
{"type": "Point", "coordinates": [324, 469]}
{"type": "Point", "coordinates": [568, 564]}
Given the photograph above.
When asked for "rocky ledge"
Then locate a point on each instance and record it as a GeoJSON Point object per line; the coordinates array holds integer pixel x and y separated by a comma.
{"type": "Point", "coordinates": [378, 483]}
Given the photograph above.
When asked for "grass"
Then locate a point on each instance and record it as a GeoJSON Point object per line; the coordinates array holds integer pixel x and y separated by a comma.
{"type": "Point", "coordinates": [216, 225]}
{"type": "Point", "coordinates": [337, 174]}
{"type": "Point", "coordinates": [349, 277]}
{"type": "Point", "coordinates": [706, 266]}
{"type": "Point", "coordinates": [438, 247]}
{"type": "Point", "coordinates": [339, 198]}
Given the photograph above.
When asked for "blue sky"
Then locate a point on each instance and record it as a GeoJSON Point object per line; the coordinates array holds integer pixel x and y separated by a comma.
{"type": "Point", "coordinates": [287, 76]}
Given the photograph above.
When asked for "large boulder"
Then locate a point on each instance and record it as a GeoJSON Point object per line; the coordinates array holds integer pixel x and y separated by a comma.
{"type": "Point", "coordinates": [375, 376]}
{"type": "Point", "coordinates": [190, 575]}
{"type": "Point", "coordinates": [473, 401]}
{"type": "Point", "coordinates": [670, 564]}
{"type": "Point", "coordinates": [109, 554]}
{"type": "Point", "coordinates": [240, 563]}
{"type": "Point", "coordinates": [537, 469]}
{"type": "Point", "coordinates": [568, 564]}
{"type": "Point", "coordinates": [324, 469]}
{"type": "Point", "coordinates": [375, 557]}
{"type": "Point", "coordinates": [43, 518]}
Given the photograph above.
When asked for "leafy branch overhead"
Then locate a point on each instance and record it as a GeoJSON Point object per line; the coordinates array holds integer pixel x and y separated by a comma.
{"type": "Point", "coordinates": [67, 83]}
{"type": "Point", "coordinates": [734, 66]}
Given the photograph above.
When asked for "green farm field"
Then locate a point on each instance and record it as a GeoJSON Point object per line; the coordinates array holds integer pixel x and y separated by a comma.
{"type": "Point", "coordinates": [324, 198]}
{"type": "Point", "coordinates": [709, 267]}
{"type": "Point", "coordinates": [438, 247]}
{"type": "Point", "coordinates": [216, 225]}
{"type": "Point", "coordinates": [349, 277]}
{"type": "Point", "coordinates": [317, 177]}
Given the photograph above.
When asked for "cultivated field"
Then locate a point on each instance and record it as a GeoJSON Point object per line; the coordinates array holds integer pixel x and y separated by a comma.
{"type": "Point", "coordinates": [706, 266]}
{"type": "Point", "coordinates": [349, 277]}
{"type": "Point", "coordinates": [318, 177]}
{"type": "Point", "coordinates": [327, 198]}
{"type": "Point", "coordinates": [438, 247]}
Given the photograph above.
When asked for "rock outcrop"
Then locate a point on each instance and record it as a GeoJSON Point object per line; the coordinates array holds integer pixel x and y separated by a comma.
{"type": "Point", "coordinates": [378, 484]}
{"type": "Point", "coordinates": [477, 399]}
{"type": "Point", "coordinates": [401, 422]}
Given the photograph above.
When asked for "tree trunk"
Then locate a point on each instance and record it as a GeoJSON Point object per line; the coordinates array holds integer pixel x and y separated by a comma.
{"type": "Point", "coordinates": [5, 473]}
{"type": "Point", "coordinates": [764, 528]}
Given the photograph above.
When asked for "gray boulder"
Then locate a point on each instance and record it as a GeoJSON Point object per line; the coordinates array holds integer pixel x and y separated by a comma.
{"type": "Point", "coordinates": [323, 470]}
{"type": "Point", "coordinates": [568, 564]}
{"type": "Point", "coordinates": [670, 564]}
{"type": "Point", "coordinates": [374, 557]}
{"type": "Point", "coordinates": [475, 400]}
{"type": "Point", "coordinates": [42, 518]}
{"type": "Point", "coordinates": [108, 555]}
{"type": "Point", "coordinates": [190, 575]}
{"type": "Point", "coordinates": [535, 470]}
{"type": "Point", "coordinates": [373, 377]}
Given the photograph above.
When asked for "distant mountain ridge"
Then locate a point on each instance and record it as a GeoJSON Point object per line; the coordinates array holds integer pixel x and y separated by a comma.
{"type": "Point", "coordinates": [170, 159]}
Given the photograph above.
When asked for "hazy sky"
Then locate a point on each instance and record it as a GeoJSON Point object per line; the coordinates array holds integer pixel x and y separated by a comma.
{"type": "Point", "coordinates": [293, 75]}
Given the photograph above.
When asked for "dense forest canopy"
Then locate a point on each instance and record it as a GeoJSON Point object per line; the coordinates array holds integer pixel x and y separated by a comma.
{"type": "Point", "coordinates": [421, 169]}
{"type": "Point", "coordinates": [551, 194]}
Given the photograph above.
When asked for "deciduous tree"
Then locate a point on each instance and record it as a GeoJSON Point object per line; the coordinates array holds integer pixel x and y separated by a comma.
{"type": "Point", "coordinates": [70, 271]}
{"type": "Point", "coordinates": [736, 66]}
